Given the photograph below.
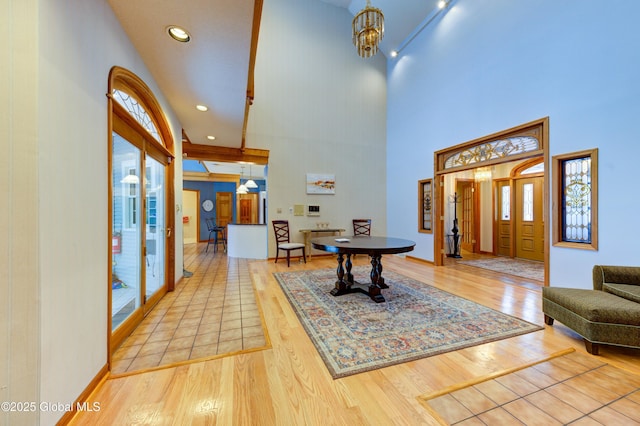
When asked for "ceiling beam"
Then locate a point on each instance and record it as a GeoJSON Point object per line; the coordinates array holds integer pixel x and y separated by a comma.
{"type": "Point", "coordinates": [257, 17]}
{"type": "Point", "coordinates": [224, 154]}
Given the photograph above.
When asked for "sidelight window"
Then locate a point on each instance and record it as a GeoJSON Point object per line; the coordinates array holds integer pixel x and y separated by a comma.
{"type": "Point", "coordinates": [575, 192]}
{"type": "Point", "coordinates": [425, 206]}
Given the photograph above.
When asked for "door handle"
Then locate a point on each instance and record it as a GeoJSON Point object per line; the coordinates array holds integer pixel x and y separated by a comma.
{"type": "Point", "coordinates": [168, 232]}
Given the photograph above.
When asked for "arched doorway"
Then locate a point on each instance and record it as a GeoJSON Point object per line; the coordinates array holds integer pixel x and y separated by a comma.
{"type": "Point", "coordinates": [141, 197]}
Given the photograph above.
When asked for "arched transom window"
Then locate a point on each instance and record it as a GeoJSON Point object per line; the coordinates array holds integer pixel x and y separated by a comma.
{"type": "Point", "coordinates": [497, 149]}
{"type": "Point", "coordinates": [137, 111]}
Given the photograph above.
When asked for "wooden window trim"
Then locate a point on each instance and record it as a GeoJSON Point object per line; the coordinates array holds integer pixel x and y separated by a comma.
{"type": "Point", "coordinates": [558, 190]}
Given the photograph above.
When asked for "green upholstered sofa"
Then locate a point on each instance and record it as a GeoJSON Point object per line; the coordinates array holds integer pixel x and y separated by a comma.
{"type": "Point", "coordinates": [608, 314]}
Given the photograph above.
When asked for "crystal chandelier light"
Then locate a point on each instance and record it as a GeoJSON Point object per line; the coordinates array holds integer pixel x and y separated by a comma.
{"type": "Point", "coordinates": [368, 30]}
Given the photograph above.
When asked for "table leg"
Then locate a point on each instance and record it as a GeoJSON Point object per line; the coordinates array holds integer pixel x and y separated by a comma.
{"type": "Point", "coordinates": [342, 287]}
{"type": "Point", "coordinates": [307, 245]}
{"type": "Point", "coordinates": [348, 264]}
{"type": "Point", "coordinates": [380, 282]}
{"type": "Point", "coordinates": [346, 283]}
{"type": "Point", "coordinates": [374, 287]}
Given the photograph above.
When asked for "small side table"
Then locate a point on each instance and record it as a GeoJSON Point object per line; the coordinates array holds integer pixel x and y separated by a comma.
{"type": "Point", "coordinates": [307, 233]}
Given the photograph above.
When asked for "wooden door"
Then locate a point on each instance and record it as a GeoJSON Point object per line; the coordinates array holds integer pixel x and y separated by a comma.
{"type": "Point", "coordinates": [245, 210]}
{"type": "Point", "coordinates": [503, 215]}
{"type": "Point", "coordinates": [248, 207]}
{"type": "Point", "coordinates": [224, 208]}
{"type": "Point", "coordinates": [528, 218]}
{"type": "Point", "coordinates": [466, 219]}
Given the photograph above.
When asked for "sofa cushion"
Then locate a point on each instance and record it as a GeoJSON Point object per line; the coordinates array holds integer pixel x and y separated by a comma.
{"type": "Point", "coordinates": [594, 306]}
{"type": "Point", "coordinates": [628, 291]}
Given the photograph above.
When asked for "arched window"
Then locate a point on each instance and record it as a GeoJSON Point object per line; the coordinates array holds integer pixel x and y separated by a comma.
{"type": "Point", "coordinates": [137, 111]}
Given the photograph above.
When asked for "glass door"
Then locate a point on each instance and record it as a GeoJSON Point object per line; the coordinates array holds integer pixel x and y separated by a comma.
{"type": "Point", "coordinates": [125, 244]}
{"type": "Point", "coordinates": [140, 204]}
{"type": "Point", "coordinates": [139, 223]}
{"type": "Point", "coordinates": [155, 230]}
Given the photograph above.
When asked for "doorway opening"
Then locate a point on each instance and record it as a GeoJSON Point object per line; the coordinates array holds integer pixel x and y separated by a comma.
{"type": "Point", "coordinates": [471, 182]}
{"type": "Point", "coordinates": [220, 201]}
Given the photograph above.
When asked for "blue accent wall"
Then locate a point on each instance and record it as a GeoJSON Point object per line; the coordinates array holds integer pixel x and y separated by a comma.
{"type": "Point", "coordinates": [487, 66]}
{"type": "Point", "coordinates": [208, 191]}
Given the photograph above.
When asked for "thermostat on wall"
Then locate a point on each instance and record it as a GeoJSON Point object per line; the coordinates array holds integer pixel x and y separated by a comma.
{"type": "Point", "coordinates": [313, 210]}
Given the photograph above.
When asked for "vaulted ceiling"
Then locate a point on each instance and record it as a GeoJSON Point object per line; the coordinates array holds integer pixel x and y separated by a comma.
{"type": "Point", "coordinates": [216, 67]}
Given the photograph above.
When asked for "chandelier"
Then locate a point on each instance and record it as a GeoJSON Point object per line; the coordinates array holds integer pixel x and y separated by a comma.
{"type": "Point", "coordinates": [368, 30]}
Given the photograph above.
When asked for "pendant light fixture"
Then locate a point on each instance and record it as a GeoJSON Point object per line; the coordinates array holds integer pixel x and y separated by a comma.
{"type": "Point", "coordinates": [250, 183]}
{"type": "Point", "coordinates": [368, 30]}
{"type": "Point", "coordinates": [242, 189]}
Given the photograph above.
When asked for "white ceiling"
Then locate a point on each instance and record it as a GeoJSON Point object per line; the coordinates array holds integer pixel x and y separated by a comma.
{"type": "Point", "coordinates": [253, 171]}
{"type": "Point", "coordinates": [213, 68]}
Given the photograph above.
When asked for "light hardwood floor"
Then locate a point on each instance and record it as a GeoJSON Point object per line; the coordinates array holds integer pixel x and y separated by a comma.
{"type": "Point", "coordinates": [288, 383]}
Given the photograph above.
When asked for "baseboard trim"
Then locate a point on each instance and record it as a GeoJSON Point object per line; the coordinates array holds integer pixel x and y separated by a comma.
{"type": "Point", "coordinates": [417, 259]}
{"type": "Point", "coordinates": [81, 401]}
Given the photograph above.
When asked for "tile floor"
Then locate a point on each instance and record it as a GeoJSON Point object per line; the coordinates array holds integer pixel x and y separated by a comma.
{"type": "Point", "coordinates": [574, 389]}
{"type": "Point", "coordinates": [214, 312]}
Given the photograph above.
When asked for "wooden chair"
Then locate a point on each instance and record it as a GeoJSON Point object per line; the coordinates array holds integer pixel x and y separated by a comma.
{"type": "Point", "coordinates": [361, 226]}
{"type": "Point", "coordinates": [281, 229]}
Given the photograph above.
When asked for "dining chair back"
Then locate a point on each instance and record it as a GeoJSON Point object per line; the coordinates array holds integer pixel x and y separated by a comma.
{"type": "Point", "coordinates": [361, 226]}
{"type": "Point", "coordinates": [283, 242]}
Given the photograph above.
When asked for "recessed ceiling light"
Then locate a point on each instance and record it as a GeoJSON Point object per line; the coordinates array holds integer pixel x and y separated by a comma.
{"type": "Point", "coordinates": [202, 108]}
{"type": "Point", "coordinates": [178, 34]}
{"type": "Point", "coordinates": [442, 4]}
{"type": "Point", "coordinates": [394, 53]}
{"type": "Point", "coordinates": [211, 138]}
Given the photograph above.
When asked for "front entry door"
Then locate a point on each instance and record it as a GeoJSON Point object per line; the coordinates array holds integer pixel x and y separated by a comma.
{"type": "Point", "coordinates": [529, 223]}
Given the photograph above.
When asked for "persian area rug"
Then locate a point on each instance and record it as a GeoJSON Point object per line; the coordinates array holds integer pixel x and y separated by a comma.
{"type": "Point", "coordinates": [507, 265]}
{"type": "Point", "coordinates": [353, 334]}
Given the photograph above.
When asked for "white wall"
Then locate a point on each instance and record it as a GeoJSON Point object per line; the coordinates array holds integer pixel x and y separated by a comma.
{"type": "Point", "coordinates": [19, 256]}
{"type": "Point", "coordinates": [488, 66]}
{"type": "Point", "coordinates": [79, 42]}
{"type": "Point", "coordinates": [319, 108]}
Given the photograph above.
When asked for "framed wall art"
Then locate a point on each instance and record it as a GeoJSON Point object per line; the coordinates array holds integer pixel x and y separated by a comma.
{"type": "Point", "coordinates": [318, 183]}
